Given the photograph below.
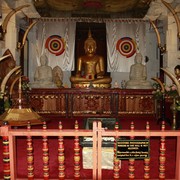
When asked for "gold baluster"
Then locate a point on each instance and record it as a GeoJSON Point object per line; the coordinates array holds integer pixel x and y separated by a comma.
{"type": "Point", "coordinates": [147, 160]}
{"type": "Point", "coordinates": [45, 155]}
{"type": "Point", "coordinates": [131, 161]}
{"type": "Point", "coordinates": [61, 157]}
{"type": "Point", "coordinates": [162, 156]}
{"type": "Point", "coordinates": [116, 161]}
{"type": "Point", "coordinates": [76, 153]}
{"type": "Point", "coordinates": [30, 157]}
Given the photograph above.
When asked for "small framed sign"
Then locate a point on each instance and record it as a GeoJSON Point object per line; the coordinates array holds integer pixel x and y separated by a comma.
{"type": "Point", "coordinates": [132, 149]}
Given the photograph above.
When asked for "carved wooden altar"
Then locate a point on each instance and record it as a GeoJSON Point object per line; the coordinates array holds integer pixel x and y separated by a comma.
{"type": "Point", "coordinates": [72, 102]}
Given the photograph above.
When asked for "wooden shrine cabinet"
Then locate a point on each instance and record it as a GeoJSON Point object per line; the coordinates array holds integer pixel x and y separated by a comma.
{"type": "Point", "coordinates": [72, 102]}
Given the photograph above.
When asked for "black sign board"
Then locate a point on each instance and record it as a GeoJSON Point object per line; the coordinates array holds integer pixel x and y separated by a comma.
{"type": "Point", "coordinates": [132, 149]}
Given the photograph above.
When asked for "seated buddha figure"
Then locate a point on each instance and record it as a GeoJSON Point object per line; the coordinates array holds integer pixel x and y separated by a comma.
{"type": "Point", "coordinates": [43, 77]}
{"type": "Point", "coordinates": [90, 68]}
{"type": "Point", "coordinates": [138, 75]}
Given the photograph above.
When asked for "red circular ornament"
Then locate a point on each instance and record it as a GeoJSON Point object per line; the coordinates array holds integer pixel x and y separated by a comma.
{"type": "Point", "coordinates": [55, 45]}
{"type": "Point", "coordinates": [126, 46]}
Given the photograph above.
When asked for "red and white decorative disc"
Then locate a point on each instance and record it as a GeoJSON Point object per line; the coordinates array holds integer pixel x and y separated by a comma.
{"type": "Point", "coordinates": [55, 45]}
{"type": "Point", "coordinates": [126, 46]}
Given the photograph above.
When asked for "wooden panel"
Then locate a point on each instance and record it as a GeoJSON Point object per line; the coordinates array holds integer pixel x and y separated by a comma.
{"type": "Point", "coordinates": [67, 102]}
{"type": "Point", "coordinates": [48, 103]}
{"type": "Point", "coordinates": [139, 104]}
{"type": "Point", "coordinates": [91, 104]}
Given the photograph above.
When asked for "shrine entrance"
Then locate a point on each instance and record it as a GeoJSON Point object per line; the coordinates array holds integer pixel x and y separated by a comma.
{"type": "Point", "coordinates": [98, 31]}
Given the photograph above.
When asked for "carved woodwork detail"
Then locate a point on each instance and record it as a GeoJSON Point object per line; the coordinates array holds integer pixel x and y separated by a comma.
{"type": "Point", "coordinates": [67, 102]}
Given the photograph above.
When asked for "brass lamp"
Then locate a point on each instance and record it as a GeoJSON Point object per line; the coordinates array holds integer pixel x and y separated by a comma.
{"type": "Point", "coordinates": [20, 113]}
{"type": "Point", "coordinates": [20, 117]}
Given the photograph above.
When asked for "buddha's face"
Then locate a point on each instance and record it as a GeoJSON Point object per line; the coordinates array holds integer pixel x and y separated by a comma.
{"type": "Point", "coordinates": [90, 47]}
{"type": "Point", "coordinates": [138, 58]}
{"type": "Point", "coordinates": [43, 60]}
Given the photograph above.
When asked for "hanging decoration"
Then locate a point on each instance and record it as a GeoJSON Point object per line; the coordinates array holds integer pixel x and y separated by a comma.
{"type": "Point", "coordinates": [126, 46]}
{"type": "Point", "coordinates": [55, 45]}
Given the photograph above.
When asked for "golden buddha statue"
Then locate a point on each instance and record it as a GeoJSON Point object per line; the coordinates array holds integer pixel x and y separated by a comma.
{"type": "Point", "coordinates": [90, 68]}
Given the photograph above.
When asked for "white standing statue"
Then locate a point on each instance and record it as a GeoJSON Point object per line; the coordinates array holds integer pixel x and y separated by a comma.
{"type": "Point", "coordinates": [43, 77]}
{"type": "Point", "coordinates": [58, 76]}
{"type": "Point", "coordinates": [138, 75]}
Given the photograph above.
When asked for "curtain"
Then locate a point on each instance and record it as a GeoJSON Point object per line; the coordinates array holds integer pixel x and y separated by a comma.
{"type": "Point", "coordinates": [66, 30]}
{"type": "Point", "coordinates": [115, 29]}
{"type": "Point", "coordinates": [135, 30]}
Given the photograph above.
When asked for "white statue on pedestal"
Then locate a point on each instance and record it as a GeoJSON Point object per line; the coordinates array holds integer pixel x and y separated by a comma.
{"type": "Point", "coordinates": [43, 77]}
{"type": "Point", "coordinates": [138, 75]}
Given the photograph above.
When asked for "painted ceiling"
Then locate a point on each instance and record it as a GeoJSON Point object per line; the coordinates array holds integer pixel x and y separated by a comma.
{"type": "Point", "coordinates": [92, 8]}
